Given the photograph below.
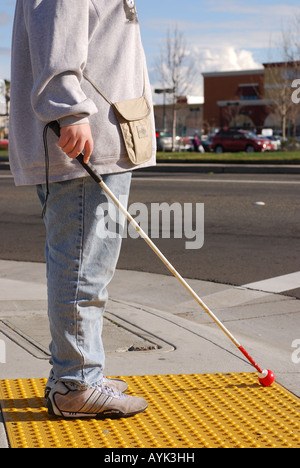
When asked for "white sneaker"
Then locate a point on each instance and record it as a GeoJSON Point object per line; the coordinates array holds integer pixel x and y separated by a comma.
{"type": "Point", "coordinates": [99, 402]}
{"type": "Point", "coordinates": [117, 384]}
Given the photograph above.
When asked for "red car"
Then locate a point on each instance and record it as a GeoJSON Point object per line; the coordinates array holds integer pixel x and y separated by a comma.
{"type": "Point", "coordinates": [240, 140]}
{"type": "Point", "coordinates": [3, 144]}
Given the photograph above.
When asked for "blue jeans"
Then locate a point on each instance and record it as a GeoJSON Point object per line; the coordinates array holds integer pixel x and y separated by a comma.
{"type": "Point", "coordinates": [81, 262]}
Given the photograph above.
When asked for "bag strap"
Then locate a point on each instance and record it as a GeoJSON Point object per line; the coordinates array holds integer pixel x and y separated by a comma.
{"type": "Point", "coordinates": [102, 94]}
{"type": "Point", "coordinates": [97, 89]}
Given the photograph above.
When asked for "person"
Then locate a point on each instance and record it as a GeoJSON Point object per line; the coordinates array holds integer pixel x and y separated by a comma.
{"type": "Point", "coordinates": [196, 143]}
{"type": "Point", "coordinates": [198, 147]}
{"type": "Point", "coordinates": [55, 43]}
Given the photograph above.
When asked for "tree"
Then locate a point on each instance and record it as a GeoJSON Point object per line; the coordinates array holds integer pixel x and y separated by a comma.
{"type": "Point", "coordinates": [279, 78]}
{"type": "Point", "coordinates": [278, 88]}
{"type": "Point", "coordinates": [175, 68]}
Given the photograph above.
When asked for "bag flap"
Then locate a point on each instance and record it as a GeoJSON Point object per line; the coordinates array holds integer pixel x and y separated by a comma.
{"type": "Point", "coordinates": [133, 109]}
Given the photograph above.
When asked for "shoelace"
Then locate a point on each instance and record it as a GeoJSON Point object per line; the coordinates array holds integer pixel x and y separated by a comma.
{"type": "Point", "coordinates": [52, 380]}
{"type": "Point", "coordinates": [109, 391]}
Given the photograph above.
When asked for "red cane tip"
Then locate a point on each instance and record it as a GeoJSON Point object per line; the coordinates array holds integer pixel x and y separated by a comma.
{"type": "Point", "coordinates": [266, 378]}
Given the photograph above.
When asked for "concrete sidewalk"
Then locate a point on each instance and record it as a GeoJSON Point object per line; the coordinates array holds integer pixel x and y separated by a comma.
{"type": "Point", "coordinates": [152, 326]}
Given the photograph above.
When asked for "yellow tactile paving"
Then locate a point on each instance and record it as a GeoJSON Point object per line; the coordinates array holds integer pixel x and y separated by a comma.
{"type": "Point", "coordinates": [185, 411]}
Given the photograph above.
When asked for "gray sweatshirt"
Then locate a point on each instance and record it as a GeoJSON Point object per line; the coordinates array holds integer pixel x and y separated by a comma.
{"type": "Point", "coordinates": [54, 41]}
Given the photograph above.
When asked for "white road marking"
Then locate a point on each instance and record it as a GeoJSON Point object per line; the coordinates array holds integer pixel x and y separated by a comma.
{"type": "Point", "coordinates": [278, 284]}
{"type": "Point", "coordinates": [250, 292]}
{"type": "Point", "coordinates": [214, 181]}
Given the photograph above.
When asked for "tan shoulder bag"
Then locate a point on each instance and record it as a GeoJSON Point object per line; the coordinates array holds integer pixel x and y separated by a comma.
{"type": "Point", "coordinates": [133, 117]}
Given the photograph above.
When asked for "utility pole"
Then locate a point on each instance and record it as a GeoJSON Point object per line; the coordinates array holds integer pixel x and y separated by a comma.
{"type": "Point", "coordinates": [164, 91]}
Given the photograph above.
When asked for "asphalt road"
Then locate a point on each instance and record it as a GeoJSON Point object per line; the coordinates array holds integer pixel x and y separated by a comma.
{"type": "Point", "coordinates": [244, 242]}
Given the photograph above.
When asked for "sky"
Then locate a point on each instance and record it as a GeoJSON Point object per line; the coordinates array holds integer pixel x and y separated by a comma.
{"type": "Point", "coordinates": [220, 35]}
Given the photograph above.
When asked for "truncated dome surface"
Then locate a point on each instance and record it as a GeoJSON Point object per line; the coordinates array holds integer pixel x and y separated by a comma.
{"type": "Point", "coordinates": [185, 411]}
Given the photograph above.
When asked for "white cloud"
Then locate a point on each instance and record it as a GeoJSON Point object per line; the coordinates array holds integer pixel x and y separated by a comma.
{"type": "Point", "coordinates": [224, 58]}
